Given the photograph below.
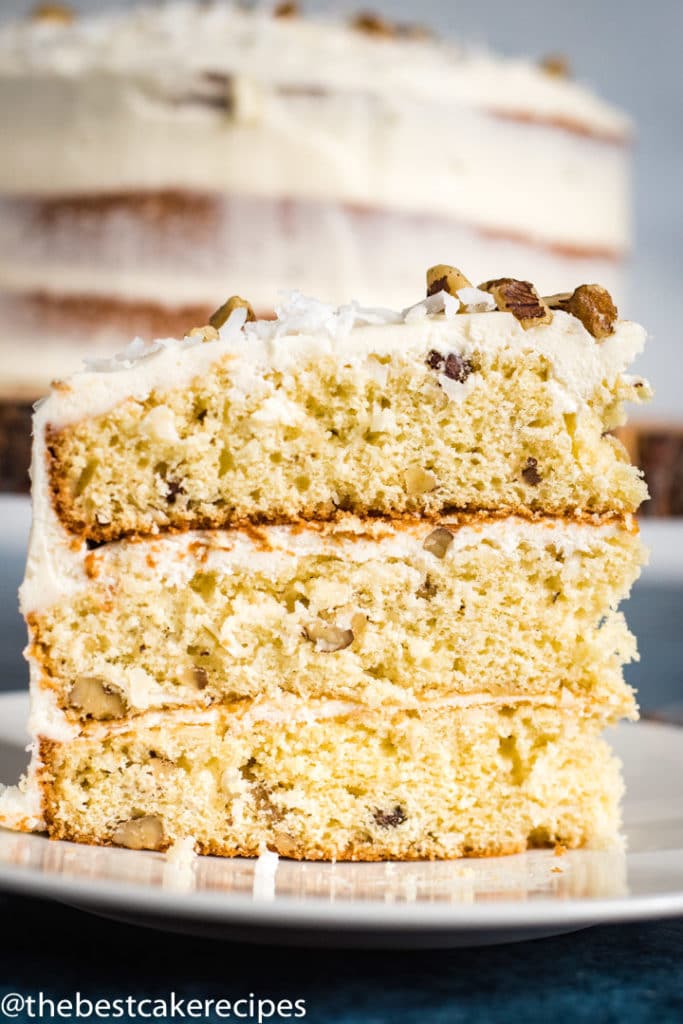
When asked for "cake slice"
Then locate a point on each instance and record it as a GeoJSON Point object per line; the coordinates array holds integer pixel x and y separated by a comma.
{"type": "Point", "coordinates": [384, 624]}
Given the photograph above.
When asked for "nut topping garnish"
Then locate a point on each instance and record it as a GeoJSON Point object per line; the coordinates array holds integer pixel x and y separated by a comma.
{"type": "Point", "coordinates": [97, 699]}
{"type": "Point", "coordinates": [530, 472]}
{"type": "Point", "coordinates": [442, 278]}
{"type": "Point", "coordinates": [419, 481]}
{"type": "Point", "coordinates": [145, 833]}
{"type": "Point", "coordinates": [519, 298]}
{"type": "Point", "coordinates": [206, 333]}
{"type": "Point", "coordinates": [286, 10]}
{"type": "Point", "coordinates": [59, 13]}
{"type": "Point", "coordinates": [556, 64]}
{"type": "Point", "coordinates": [327, 637]}
{"type": "Point", "coordinates": [453, 366]}
{"type": "Point", "coordinates": [221, 315]}
{"type": "Point", "coordinates": [438, 542]}
{"type": "Point", "coordinates": [373, 24]}
{"type": "Point", "coordinates": [592, 305]}
{"type": "Point", "coordinates": [390, 819]}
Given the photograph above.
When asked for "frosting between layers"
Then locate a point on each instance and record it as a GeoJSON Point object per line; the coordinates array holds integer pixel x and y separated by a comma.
{"type": "Point", "coordinates": [66, 568]}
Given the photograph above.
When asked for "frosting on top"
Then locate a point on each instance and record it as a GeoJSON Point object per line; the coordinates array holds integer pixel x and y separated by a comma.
{"type": "Point", "coordinates": [306, 328]}
{"type": "Point", "coordinates": [168, 45]}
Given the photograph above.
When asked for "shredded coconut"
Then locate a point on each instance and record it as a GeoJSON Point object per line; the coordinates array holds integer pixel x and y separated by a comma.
{"type": "Point", "coordinates": [474, 300]}
{"type": "Point", "coordinates": [265, 870]}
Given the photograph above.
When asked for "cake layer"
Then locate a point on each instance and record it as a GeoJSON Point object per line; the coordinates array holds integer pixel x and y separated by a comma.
{"type": "Point", "coordinates": [349, 787]}
{"type": "Point", "coordinates": [360, 410]}
{"type": "Point", "coordinates": [296, 107]}
{"type": "Point", "coordinates": [406, 613]}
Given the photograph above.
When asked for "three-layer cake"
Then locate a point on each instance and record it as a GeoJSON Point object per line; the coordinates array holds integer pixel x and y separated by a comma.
{"type": "Point", "coordinates": [343, 584]}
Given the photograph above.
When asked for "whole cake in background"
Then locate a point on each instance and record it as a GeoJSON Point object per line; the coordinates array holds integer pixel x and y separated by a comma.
{"type": "Point", "coordinates": [342, 585]}
{"type": "Point", "coordinates": [160, 152]}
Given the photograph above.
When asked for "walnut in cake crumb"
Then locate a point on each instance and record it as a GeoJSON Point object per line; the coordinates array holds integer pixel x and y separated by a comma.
{"type": "Point", "coordinates": [144, 833]}
{"type": "Point", "coordinates": [419, 481]}
{"type": "Point", "coordinates": [95, 698]}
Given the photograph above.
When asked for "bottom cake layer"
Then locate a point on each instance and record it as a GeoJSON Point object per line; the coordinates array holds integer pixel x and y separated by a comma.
{"type": "Point", "coordinates": [336, 782]}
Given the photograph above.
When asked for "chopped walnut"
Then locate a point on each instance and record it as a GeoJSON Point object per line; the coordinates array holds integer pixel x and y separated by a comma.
{"type": "Point", "coordinates": [173, 489]}
{"type": "Point", "coordinates": [427, 590]}
{"type": "Point", "coordinates": [454, 366]}
{"type": "Point", "coordinates": [438, 542]}
{"type": "Point", "coordinates": [592, 305]}
{"type": "Point", "coordinates": [328, 637]}
{"type": "Point", "coordinates": [519, 298]}
{"type": "Point", "coordinates": [144, 833]}
{"type": "Point", "coordinates": [206, 333]}
{"type": "Point", "coordinates": [530, 472]}
{"type": "Point", "coordinates": [442, 278]}
{"type": "Point", "coordinates": [390, 819]}
{"type": "Point", "coordinates": [195, 677]}
{"type": "Point", "coordinates": [59, 13]}
{"type": "Point", "coordinates": [457, 367]}
{"type": "Point", "coordinates": [419, 481]}
{"type": "Point", "coordinates": [556, 64]}
{"type": "Point", "coordinates": [221, 315]}
{"type": "Point", "coordinates": [373, 24]}
{"type": "Point", "coordinates": [97, 699]}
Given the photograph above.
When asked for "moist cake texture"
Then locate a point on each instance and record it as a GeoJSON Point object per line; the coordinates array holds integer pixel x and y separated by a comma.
{"type": "Point", "coordinates": [357, 786]}
{"type": "Point", "coordinates": [319, 411]}
{"type": "Point", "coordinates": [344, 585]}
{"type": "Point", "coordinates": [406, 614]}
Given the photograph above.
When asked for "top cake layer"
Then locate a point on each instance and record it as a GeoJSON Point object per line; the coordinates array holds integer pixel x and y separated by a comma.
{"type": "Point", "coordinates": [456, 403]}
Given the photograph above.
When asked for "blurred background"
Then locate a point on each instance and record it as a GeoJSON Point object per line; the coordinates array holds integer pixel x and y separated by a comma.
{"type": "Point", "coordinates": [629, 54]}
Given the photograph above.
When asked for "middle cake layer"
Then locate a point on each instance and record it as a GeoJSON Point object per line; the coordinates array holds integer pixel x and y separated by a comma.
{"type": "Point", "coordinates": [372, 611]}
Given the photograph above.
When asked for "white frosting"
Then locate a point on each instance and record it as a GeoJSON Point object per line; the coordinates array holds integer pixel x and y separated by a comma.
{"type": "Point", "coordinates": [307, 329]}
{"type": "Point", "coordinates": [177, 557]}
{"type": "Point", "coordinates": [167, 44]}
{"type": "Point", "coordinates": [122, 102]}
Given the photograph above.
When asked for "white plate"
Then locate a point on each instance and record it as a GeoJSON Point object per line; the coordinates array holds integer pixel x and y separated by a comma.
{"type": "Point", "coordinates": [466, 902]}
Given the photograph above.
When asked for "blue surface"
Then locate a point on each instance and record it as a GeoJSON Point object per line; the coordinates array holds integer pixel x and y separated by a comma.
{"type": "Point", "coordinates": [625, 974]}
